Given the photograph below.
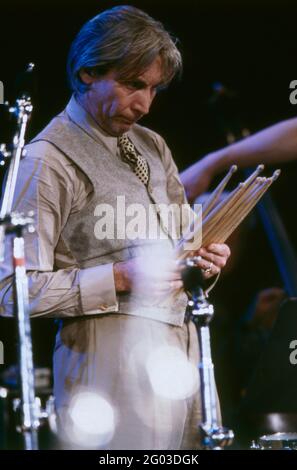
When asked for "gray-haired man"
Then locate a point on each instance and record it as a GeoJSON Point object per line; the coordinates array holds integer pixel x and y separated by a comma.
{"type": "Point", "coordinates": [112, 293]}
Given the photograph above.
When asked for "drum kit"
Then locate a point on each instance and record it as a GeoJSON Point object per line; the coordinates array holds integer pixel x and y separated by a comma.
{"type": "Point", "coordinates": [26, 401]}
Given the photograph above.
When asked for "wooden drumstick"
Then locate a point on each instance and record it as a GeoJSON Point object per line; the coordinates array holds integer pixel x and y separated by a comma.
{"type": "Point", "coordinates": [215, 195]}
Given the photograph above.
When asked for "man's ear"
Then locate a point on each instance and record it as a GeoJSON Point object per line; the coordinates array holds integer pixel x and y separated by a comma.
{"type": "Point", "coordinates": [86, 76]}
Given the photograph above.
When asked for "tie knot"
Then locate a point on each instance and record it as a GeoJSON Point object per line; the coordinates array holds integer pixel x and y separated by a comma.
{"type": "Point", "coordinates": [136, 161]}
{"type": "Point", "coordinates": [125, 144]}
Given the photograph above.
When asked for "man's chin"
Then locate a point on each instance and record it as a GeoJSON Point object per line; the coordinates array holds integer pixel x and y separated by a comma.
{"type": "Point", "coordinates": [124, 127]}
{"type": "Point", "coordinates": [119, 127]}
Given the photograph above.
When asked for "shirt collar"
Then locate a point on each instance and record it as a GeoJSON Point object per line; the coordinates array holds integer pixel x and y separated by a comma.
{"type": "Point", "coordinates": [85, 121]}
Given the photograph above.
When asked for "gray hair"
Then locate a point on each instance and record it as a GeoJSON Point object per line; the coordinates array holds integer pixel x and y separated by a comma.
{"type": "Point", "coordinates": [124, 39]}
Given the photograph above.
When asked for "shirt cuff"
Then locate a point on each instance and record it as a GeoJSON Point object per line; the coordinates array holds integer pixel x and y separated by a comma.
{"type": "Point", "coordinates": [97, 290]}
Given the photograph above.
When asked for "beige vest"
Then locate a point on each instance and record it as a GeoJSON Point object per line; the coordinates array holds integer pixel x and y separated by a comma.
{"type": "Point", "coordinates": [111, 178]}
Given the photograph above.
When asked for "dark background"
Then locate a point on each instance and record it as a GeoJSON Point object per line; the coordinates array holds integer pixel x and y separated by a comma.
{"type": "Point", "coordinates": [249, 46]}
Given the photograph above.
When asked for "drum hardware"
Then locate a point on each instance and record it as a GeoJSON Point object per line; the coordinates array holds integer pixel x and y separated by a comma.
{"type": "Point", "coordinates": [213, 436]}
{"type": "Point", "coordinates": [44, 400]}
{"type": "Point", "coordinates": [11, 418]}
{"type": "Point", "coordinates": [11, 223]}
{"type": "Point", "coordinates": [45, 414]}
{"type": "Point", "coordinates": [276, 441]}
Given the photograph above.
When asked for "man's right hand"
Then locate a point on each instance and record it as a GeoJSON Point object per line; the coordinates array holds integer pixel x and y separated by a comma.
{"type": "Point", "coordinates": [155, 275]}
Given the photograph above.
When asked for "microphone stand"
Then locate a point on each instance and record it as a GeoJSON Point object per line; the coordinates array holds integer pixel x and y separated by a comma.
{"type": "Point", "coordinates": [14, 224]}
{"type": "Point", "coordinates": [213, 436]}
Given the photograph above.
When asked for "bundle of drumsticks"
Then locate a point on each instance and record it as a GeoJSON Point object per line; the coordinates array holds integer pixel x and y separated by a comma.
{"type": "Point", "coordinates": [221, 217]}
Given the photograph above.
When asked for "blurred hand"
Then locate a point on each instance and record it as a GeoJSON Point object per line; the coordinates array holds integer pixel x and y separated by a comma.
{"type": "Point", "coordinates": [156, 276]}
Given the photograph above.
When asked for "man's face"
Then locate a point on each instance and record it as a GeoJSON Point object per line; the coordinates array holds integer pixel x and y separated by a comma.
{"type": "Point", "coordinates": [116, 104]}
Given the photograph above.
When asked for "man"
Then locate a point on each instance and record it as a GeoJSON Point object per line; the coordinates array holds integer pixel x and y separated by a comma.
{"type": "Point", "coordinates": [119, 298]}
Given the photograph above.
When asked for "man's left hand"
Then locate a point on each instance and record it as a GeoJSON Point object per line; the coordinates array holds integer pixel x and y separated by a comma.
{"type": "Point", "coordinates": [211, 259]}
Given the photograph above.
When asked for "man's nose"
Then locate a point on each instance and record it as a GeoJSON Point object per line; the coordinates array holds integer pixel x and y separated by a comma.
{"type": "Point", "coordinates": [142, 101]}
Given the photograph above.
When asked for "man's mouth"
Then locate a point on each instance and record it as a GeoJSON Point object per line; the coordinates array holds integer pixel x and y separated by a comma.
{"type": "Point", "coordinates": [128, 121]}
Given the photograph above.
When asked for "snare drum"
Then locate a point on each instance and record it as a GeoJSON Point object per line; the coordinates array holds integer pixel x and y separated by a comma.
{"type": "Point", "coordinates": [278, 441]}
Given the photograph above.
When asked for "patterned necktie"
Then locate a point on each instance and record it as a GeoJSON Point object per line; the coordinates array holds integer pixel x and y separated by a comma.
{"type": "Point", "coordinates": [136, 161]}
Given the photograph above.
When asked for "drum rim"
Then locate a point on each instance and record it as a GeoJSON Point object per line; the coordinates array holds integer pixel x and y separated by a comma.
{"type": "Point", "coordinates": [269, 437]}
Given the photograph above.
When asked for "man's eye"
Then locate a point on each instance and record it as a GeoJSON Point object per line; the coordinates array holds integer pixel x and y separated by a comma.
{"type": "Point", "coordinates": [136, 85]}
{"type": "Point", "coordinates": [133, 85]}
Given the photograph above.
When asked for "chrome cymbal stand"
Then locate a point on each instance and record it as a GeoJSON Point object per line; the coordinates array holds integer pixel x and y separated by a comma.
{"type": "Point", "coordinates": [28, 410]}
{"type": "Point", "coordinates": [15, 224]}
{"type": "Point", "coordinates": [213, 436]}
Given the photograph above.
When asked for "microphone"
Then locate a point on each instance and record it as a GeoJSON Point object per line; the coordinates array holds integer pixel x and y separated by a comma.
{"type": "Point", "coordinates": [193, 279]}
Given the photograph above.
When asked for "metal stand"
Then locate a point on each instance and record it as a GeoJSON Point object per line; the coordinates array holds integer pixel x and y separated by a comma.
{"type": "Point", "coordinates": [29, 406]}
{"type": "Point", "coordinates": [213, 436]}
